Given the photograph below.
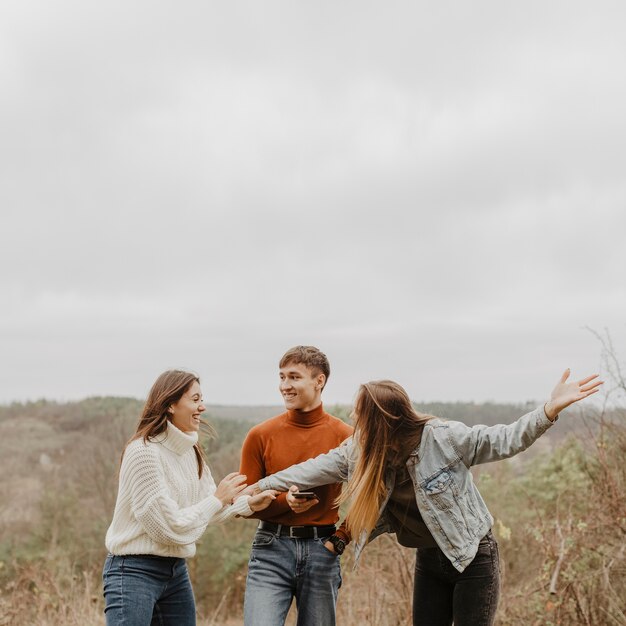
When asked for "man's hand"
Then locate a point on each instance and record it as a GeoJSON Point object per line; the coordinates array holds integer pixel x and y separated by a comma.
{"type": "Point", "coordinates": [299, 505]}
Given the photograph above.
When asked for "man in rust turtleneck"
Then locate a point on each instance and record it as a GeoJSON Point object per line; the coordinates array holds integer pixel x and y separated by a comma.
{"type": "Point", "coordinates": [295, 549]}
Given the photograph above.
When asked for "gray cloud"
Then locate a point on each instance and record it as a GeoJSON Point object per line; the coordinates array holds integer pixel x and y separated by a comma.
{"type": "Point", "coordinates": [429, 192]}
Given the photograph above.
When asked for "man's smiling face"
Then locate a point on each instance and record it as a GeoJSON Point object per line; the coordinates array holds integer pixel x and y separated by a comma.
{"type": "Point", "coordinates": [300, 387]}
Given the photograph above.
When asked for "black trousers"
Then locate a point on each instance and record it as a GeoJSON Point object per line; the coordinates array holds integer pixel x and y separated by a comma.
{"type": "Point", "coordinates": [442, 595]}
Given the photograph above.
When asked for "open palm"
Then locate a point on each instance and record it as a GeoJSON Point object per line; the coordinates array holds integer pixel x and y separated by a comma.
{"type": "Point", "coordinates": [566, 393]}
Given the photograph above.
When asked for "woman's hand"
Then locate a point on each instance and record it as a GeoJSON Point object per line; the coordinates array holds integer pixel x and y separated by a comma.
{"type": "Point", "coordinates": [566, 393]}
{"type": "Point", "coordinates": [262, 500]}
{"type": "Point", "coordinates": [251, 490]}
{"type": "Point", "coordinates": [230, 487]}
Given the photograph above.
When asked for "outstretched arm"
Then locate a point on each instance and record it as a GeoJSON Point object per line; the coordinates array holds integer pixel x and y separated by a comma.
{"type": "Point", "coordinates": [565, 394]}
{"type": "Point", "coordinates": [324, 469]}
{"type": "Point", "coordinates": [482, 444]}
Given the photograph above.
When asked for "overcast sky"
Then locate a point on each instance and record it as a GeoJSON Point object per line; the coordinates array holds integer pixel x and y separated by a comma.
{"type": "Point", "coordinates": [432, 192]}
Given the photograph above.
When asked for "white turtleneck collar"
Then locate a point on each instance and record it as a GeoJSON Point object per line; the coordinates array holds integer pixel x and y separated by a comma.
{"type": "Point", "coordinates": [176, 440]}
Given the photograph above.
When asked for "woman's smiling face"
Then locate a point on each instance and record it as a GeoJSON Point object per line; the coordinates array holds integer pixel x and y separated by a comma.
{"type": "Point", "coordinates": [186, 412]}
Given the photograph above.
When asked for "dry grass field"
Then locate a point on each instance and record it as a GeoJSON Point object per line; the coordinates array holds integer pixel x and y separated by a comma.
{"type": "Point", "coordinates": [560, 519]}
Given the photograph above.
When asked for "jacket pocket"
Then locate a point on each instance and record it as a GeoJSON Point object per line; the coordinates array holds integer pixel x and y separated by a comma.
{"type": "Point", "coordinates": [438, 488]}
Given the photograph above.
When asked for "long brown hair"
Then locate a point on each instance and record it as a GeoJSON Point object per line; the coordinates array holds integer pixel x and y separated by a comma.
{"type": "Point", "coordinates": [167, 389]}
{"type": "Point", "coordinates": [386, 428]}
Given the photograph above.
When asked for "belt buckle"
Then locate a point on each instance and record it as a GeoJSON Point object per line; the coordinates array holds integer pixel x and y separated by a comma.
{"type": "Point", "coordinates": [291, 535]}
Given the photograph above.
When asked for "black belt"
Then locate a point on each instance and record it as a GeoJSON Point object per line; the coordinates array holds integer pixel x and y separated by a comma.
{"type": "Point", "coordinates": [298, 532]}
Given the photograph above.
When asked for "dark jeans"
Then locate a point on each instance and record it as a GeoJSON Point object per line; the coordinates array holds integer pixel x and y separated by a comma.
{"type": "Point", "coordinates": [443, 595]}
{"type": "Point", "coordinates": [145, 590]}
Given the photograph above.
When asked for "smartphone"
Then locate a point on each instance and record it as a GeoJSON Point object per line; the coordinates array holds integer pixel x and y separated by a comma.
{"type": "Point", "coordinates": [305, 495]}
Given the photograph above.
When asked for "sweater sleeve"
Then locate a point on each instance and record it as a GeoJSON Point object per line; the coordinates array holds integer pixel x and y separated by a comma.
{"type": "Point", "coordinates": [163, 520]}
{"type": "Point", "coordinates": [253, 466]}
{"type": "Point", "coordinates": [344, 533]}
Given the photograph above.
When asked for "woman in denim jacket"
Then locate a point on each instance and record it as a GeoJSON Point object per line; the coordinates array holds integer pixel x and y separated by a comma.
{"type": "Point", "coordinates": [409, 473]}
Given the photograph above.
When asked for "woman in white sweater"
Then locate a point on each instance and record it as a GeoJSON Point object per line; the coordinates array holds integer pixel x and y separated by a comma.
{"type": "Point", "coordinates": [166, 499]}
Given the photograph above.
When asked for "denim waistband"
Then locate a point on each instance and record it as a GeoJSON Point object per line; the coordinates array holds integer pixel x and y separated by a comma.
{"type": "Point", "coordinates": [156, 557]}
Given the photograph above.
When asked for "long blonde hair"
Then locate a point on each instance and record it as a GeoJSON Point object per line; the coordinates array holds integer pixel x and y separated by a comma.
{"type": "Point", "coordinates": [386, 429]}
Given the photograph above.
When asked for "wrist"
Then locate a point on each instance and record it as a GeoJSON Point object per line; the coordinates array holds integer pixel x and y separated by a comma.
{"type": "Point", "coordinates": [550, 411]}
{"type": "Point", "coordinates": [339, 545]}
{"type": "Point", "coordinates": [253, 504]}
{"type": "Point", "coordinates": [243, 504]}
{"type": "Point", "coordinates": [223, 499]}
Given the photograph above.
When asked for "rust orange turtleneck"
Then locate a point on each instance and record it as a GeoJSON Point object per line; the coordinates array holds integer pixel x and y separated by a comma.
{"type": "Point", "coordinates": [284, 440]}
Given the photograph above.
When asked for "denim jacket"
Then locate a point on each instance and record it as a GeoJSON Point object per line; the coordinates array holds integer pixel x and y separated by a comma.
{"type": "Point", "coordinates": [447, 498]}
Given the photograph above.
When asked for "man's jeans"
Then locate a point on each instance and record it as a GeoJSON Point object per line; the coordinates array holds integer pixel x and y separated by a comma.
{"type": "Point", "coordinates": [442, 594]}
{"type": "Point", "coordinates": [145, 590]}
{"type": "Point", "coordinates": [281, 568]}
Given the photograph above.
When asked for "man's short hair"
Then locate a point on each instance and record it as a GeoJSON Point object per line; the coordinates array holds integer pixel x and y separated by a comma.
{"type": "Point", "coordinates": [310, 356]}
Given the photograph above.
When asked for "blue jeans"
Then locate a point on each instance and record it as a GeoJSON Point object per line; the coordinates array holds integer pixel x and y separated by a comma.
{"type": "Point", "coordinates": [281, 568]}
{"type": "Point", "coordinates": [145, 590]}
{"type": "Point", "coordinates": [442, 594]}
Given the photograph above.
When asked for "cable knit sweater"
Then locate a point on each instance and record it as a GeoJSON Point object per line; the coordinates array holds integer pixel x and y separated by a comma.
{"type": "Point", "coordinates": [162, 506]}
